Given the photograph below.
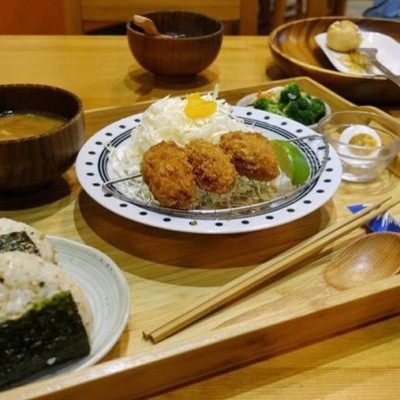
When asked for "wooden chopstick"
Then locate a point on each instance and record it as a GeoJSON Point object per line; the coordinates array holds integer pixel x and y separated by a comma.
{"type": "Point", "coordinates": [285, 261]}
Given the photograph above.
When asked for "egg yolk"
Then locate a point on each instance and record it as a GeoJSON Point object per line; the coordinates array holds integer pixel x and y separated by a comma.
{"type": "Point", "coordinates": [197, 107]}
{"type": "Point", "coordinates": [364, 140]}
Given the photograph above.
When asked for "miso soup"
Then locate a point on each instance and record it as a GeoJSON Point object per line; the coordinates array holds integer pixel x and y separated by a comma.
{"type": "Point", "coordinates": [22, 125]}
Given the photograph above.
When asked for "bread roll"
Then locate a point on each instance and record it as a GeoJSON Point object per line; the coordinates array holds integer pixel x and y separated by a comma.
{"type": "Point", "coordinates": [343, 36]}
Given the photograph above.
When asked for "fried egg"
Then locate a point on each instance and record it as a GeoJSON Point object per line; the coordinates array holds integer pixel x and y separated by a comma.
{"type": "Point", "coordinates": [359, 141]}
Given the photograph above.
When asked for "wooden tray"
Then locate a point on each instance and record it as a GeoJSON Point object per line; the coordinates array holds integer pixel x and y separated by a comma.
{"type": "Point", "coordinates": [135, 368]}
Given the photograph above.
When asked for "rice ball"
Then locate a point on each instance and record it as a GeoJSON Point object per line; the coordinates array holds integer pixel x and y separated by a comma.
{"type": "Point", "coordinates": [43, 245]}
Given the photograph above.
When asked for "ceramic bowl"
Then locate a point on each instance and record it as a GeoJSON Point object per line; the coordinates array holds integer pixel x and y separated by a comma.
{"type": "Point", "coordinates": [30, 163]}
{"type": "Point", "coordinates": [194, 43]}
{"type": "Point", "coordinates": [297, 53]}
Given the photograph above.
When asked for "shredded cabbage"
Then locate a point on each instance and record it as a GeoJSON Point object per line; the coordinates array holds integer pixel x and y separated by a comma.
{"type": "Point", "coordinates": [166, 120]}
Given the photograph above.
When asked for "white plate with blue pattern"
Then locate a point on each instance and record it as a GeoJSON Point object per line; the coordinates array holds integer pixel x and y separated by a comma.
{"type": "Point", "coordinates": [94, 169]}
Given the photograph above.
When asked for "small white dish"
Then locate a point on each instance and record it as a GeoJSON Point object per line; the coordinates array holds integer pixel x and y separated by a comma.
{"type": "Point", "coordinates": [248, 100]}
{"type": "Point", "coordinates": [387, 49]}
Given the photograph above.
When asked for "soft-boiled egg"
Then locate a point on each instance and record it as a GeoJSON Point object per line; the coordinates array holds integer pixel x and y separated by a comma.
{"type": "Point", "coordinates": [359, 141]}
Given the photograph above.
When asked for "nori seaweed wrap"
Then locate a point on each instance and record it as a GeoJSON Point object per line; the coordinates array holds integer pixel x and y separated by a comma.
{"type": "Point", "coordinates": [44, 317]}
{"type": "Point", "coordinates": [17, 236]}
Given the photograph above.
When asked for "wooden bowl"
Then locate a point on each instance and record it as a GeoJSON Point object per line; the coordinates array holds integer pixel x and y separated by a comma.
{"type": "Point", "coordinates": [176, 56]}
{"type": "Point", "coordinates": [297, 53]}
{"type": "Point", "coordinates": [31, 163]}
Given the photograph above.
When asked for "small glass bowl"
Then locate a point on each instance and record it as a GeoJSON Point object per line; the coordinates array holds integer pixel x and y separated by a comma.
{"type": "Point", "coordinates": [362, 163]}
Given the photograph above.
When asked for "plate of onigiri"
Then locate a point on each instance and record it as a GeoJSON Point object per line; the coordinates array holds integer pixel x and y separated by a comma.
{"type": "Point", "coordinates": [63, 305]}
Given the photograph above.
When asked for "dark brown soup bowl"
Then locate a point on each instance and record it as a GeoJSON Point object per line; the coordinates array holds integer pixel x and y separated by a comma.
{"type": "Point", "coordinates": [31, 163]}
{"type": "Point", "coordinates": [194, 45]}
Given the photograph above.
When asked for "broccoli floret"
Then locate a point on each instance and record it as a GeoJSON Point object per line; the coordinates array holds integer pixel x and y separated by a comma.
{"type": "Point", "coordinates": [318, 109]}
{"type": "Point", "coordinates": [274, 108]}
{"type": "Point", "coordinates": [289, 93]}
{"type": "Point", "coordinates": [303, 103]}
{"type": "Point", "coordinates": [267, 105]}
{"type": "Point", "coordinates": [295, 110]}
{"type": "Point", "coordinates": [294, 104]}
{"type": "Point", "coordinates": [261, 104]}
{"type": "Point", "coordinates": [306, 96]}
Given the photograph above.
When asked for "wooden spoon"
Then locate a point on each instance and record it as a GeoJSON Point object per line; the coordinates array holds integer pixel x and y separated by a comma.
{"type": "Point", "coordinates": [148, 26]}
{"type": "Point", "coordinates": [368, 259]}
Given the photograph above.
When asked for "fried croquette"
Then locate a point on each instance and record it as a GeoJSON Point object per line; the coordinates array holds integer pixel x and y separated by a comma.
{"type": "Point", "coordinates": [168, 174]}
{"type": "Point", "coordinates": [212, 167]}
{"type": "Point", "coordinates": [251, 154]}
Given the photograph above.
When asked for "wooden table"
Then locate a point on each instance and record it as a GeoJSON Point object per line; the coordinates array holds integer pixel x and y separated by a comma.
{"type": "Point", "coordinates": [165, 269]}
{"type": "Point", "coordinates": [103, 72]}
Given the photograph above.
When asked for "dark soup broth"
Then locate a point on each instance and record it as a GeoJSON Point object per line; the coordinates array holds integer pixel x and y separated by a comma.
{"type": "Point", "coordinates": [23, 125]}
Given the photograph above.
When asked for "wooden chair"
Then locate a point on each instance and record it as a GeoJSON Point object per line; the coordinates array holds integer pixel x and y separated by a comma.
{"type": "Point", "coordinates": [78, 12]}
{"type": "Point", "coordinates": [307, 8]}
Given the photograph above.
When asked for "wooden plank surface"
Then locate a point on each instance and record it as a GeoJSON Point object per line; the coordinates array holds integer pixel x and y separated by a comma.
{"type": "Point", "coordinates": [168, 269]}
{"type": "Point", "coordinates": [103, 72]}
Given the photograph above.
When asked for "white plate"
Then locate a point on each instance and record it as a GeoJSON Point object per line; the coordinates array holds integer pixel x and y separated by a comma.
{"type": "Point", "coordinates": [93, 169]}
{"type": "Point", "coordinates": [107, 292]}
{"type": "Point", "coordinates": [388, 51]}
{"type": "Point", "coordinates": [248, 100]}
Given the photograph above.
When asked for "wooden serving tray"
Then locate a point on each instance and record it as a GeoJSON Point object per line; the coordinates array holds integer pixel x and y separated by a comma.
{"type": "Point", "coordinates": [161, 284]}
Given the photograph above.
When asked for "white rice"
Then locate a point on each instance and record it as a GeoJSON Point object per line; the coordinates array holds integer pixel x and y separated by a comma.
{"type": "Point", "coordinates": [43, 245]}
{"type": "Point", "coordinates": [26, 280]}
